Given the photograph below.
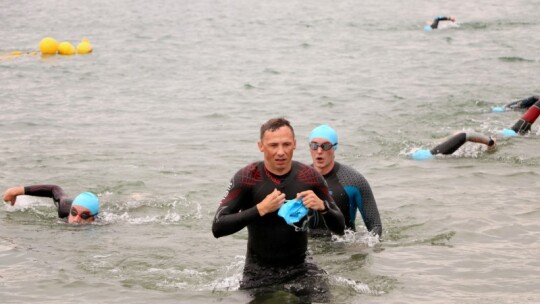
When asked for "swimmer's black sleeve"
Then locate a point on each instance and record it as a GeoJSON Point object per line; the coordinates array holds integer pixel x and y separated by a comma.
{"type": "Point", "coordinates": [451, 145]}
{"type": "Point", "coordinates": [435, 23]}
{"type": "Point", "coordinates": [522, 103]}
{"type": "Point", "coordinates": [61, 200]}
{"type": "Point", "coordinates": [233, 213]}
{"type": "Point", "coordinates": [333, 217]}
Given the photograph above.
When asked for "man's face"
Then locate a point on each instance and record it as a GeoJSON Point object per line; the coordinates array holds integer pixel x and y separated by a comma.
{"type": "Point", "coordinates": [278, 148]}
{"type": "Point", "coordinates": [80, 214]}
{"type": "Point", "coordinates": [323, 161]}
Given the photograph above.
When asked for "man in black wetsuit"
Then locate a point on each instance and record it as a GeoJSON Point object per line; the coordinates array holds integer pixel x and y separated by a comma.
{"type": "Point", "coordinates": [349, 188]}
{"type": "Point", "coordinates": [277, 252]}
{"type": "Point", "coordinates": [83, 209]}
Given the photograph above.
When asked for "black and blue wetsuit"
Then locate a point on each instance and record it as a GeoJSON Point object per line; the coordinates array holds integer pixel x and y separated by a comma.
{"type": "Point", "coordinates": [351, 192]}
{"type": "Point", "coordinates": [61, 200]}
{"type": "Point", "coordinates": [276, 252]}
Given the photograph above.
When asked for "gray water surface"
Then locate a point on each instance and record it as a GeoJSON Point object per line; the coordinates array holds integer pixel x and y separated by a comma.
{"type": "Point", "coordinates": [168, 106]}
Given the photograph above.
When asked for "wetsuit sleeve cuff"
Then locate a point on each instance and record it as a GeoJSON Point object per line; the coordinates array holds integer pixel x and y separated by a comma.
{"type": "Point", "coordinates": [326, 207]}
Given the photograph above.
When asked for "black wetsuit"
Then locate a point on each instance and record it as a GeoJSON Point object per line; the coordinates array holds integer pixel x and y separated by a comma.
{"type": "Point", "coordinates": [435, 23]}
{"type": "Point", "coordinates": [61, 200]}
{"type": "Point", "coordinates": [351, 191]}
{"type": "Point", "coordinates": [276, 251]}
{"type": "Point", "coordinates": [451, 145]}
{"type": "Point", "coordinates": [522, 103]}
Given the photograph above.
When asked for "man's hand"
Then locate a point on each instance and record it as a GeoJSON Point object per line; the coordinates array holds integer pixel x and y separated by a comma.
{"type": "Point", "coordinates": [311, 200]}
{"type": "Point", "coordinates": [271, 202]}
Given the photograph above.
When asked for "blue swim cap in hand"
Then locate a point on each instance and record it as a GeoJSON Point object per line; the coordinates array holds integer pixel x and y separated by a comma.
{"type": "Point", "coordinates": [421, 154]}
{"type": "Point", "coordinates": [293, 211]}
{"type": "Point", "coordinates": [497, 109]}
{"type": "Point", "coordinates": [427, 28]}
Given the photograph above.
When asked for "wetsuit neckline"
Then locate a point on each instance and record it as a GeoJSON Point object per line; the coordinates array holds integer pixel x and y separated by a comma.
{"type": "Point", "coordinates": [333, 171]}
{"type": "Point", "coordinates": [280, 181]}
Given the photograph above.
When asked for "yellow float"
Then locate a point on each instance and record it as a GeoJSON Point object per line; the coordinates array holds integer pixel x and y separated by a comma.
{"type": "Point", "coordinates": [84, 47]}
{"type": "Point", "coordinates": [66, 48]}
{"type": "Point", "coordinates": [48, 46]}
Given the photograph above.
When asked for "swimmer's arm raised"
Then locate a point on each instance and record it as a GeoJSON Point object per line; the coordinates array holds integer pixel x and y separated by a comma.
{"type": "Point", "coordinates": [10, 195]}
{"type": "Point", "coordinates": [53, 191]}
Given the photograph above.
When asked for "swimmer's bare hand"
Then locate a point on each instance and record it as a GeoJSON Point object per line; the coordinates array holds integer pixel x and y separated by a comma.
{"type": "Point", "coordinates": [10, 196]}
{"type": "Point", "coordinates": [271, 202]}
{"type": "Point", "coordinates": [311, 200]}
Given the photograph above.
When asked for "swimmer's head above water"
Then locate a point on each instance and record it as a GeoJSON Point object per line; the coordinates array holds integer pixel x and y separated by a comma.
{"type": "Point", "coordinates": [84, 209]}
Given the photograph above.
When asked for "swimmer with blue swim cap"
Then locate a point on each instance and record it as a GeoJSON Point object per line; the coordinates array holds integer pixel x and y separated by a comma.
{"type": "Point", "coordinates": [450, 145]}
{"type": "Point", "coordinates": [349, 189]}
{"type": "Point", "coordinates": [83, 209]}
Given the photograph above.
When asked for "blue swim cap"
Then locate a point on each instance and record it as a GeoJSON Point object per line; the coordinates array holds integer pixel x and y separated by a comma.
{"type": "Point", "coordinates": [427, 28]}
{"type": "Point", "coordinates": [87, 200]}
{"type": "Point", "coordinates": [293, 211]}
{"type": "Point", "coordinates": [326, 132]}
{"type": "Point", "coordinates": [421, 154]}
{"type": "Point", "coordinates": [497, 109]}
{"type": "Point", "coordinates": [508, 133]}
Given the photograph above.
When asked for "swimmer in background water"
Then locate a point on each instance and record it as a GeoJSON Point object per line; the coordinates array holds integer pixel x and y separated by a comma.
{"type": "Point", "coordinates": [523, 125]}
{"type": "Point", "coordinates": [453, 143]}
{"type": "Point", "coordinates": [519, 104]}
{"type": "Point", "coordinates": [435, 23]}
{"type": "Point", "coordinates": [83, 209]}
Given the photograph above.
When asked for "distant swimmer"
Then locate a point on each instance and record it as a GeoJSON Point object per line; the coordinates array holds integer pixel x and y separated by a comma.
{"type": "Point", "coordinates": [435, 23]}
{"type": "Point", "coordinates": [277, 258]}
{"type": "Point", "coordinates": [523, 125]}
{"type": "Point", "coordinates": [519, 104]}
{"type": "Point", "coordinates": [349, 188]}
{"type": "Point", "coordinates": [453, 143]}
{"type": "Point", "coordinates": [83, 209]}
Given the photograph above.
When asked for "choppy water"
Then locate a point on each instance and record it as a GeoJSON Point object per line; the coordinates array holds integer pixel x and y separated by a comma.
{"type": "Point", "coordinates": [167, 107]}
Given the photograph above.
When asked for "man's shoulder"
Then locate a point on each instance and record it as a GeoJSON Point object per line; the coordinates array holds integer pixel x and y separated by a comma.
{"type": "Point", "coordinates": [348, 172]}
{"type": "Point", "coordinates": [301, 167]}
{"type": "Point", "coordinates": [251, 171]}
{"type": "Point", "coordinates": [308, 174]}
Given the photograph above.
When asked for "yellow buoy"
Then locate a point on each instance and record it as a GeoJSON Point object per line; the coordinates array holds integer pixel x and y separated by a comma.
{"type": "Point", "coordinates": [66, 48]}
{"type": "Point", "coordinates": [48, 45]}
{"type": "Point", "coordinates": [84, 47]}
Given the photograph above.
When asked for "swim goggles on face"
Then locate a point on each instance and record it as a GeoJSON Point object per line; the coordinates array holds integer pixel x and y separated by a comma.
{"type": "Point", "coordinates": [325, 146]}
{"type": "Point", "coordinates": [84, 215]}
